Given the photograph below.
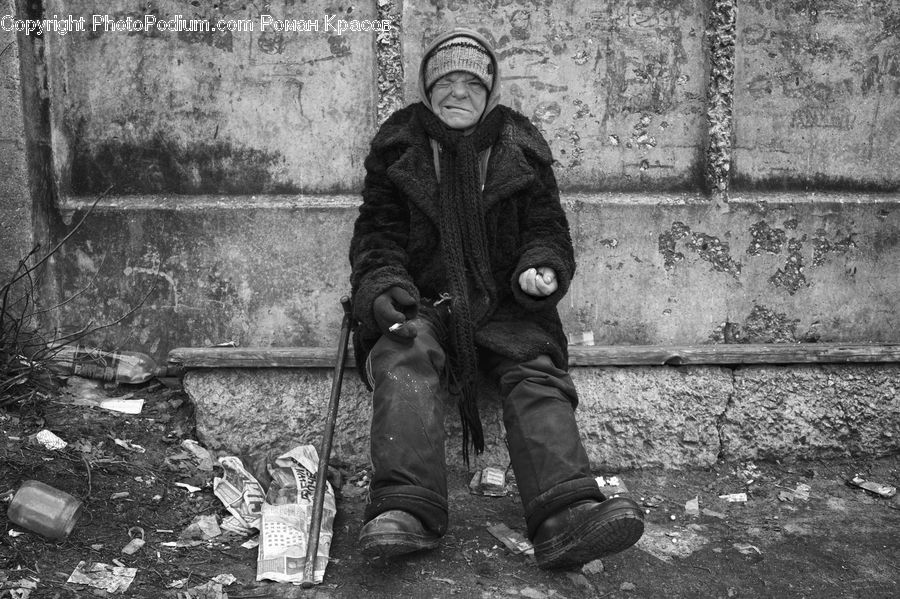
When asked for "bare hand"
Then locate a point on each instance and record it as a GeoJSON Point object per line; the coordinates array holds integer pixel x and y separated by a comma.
{"type": "Point", "coordinates": [393, 310]}
{"type": "Point", "coordinates": [539, 282]}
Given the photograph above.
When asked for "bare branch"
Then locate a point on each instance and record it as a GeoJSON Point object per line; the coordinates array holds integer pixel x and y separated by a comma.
{"type": "Point", "coordinates": [74, 295]}
{"type": "Point", "coordinates": [64, 239]}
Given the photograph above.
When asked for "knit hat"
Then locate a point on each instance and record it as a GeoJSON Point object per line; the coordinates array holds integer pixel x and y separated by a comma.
{"type": "Point", "coordinates": [459, 53]}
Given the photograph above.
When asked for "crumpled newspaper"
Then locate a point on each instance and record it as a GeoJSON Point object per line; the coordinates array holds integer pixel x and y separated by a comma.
{"type": "Point", "coordinates": [112, 579]}
{"type": "Point", "coordinates": [242, 495]}
{"type": "Point", "coordinates": [282, 515]}
{"type": "Point", "coordinates": [286, 518]}
{"type": "Point", "coordinates": [212, 589]}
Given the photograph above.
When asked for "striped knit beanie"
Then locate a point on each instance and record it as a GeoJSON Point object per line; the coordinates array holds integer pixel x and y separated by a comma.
{"type": "Point", "coordinates": [460, 53]}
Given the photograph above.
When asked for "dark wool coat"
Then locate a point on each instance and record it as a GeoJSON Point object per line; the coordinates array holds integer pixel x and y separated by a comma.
{"type": "Point", "coordinates": [396, 239]}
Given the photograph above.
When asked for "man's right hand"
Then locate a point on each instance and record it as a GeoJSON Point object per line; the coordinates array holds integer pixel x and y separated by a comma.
{"type": "Point", "coordinates": [395, 306]}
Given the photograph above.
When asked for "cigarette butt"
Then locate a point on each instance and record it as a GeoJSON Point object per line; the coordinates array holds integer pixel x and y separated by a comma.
{"type": "Point", "coordinates": [395, 326]}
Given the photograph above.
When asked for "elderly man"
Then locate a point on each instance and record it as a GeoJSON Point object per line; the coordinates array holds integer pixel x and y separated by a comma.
{"type": "Point", "coordinates": [460, 254]}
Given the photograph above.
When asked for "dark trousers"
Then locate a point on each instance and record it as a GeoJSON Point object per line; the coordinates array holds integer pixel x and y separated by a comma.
{"type": "Point", "coordinates": [407, 439]}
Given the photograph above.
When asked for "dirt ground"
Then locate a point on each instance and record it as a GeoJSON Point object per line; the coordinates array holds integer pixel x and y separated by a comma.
{"type": "Point", "coordinates": [840, 542]}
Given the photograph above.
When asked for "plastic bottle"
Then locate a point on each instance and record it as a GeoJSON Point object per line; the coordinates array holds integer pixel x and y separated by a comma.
{"type": "Point", "coordinates": [44, 510]}
{"type": "Point", "coordinates": [89, 362]}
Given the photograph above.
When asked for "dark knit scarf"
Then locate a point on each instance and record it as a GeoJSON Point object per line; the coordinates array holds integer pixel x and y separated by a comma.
{"type": "Point", "coordinates": [464, 250]}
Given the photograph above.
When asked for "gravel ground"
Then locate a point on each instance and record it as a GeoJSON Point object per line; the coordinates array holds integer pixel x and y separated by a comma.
{"type": "Point", "coordinates": [841, 541]}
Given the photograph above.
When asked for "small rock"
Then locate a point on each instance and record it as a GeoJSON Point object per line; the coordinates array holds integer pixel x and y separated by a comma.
{"type": "Point", "coordinates": [627, 586]}
{"type": "Point", "coordinates": [594, 567]}
{"type": "Point", "coordinates": [579, 580]}
{"type": "Point", "coordinates": [532, 593]}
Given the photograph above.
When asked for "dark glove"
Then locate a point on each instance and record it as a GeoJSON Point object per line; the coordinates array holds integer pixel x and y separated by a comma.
{"type": "Point", "coordinates": [395, 306]}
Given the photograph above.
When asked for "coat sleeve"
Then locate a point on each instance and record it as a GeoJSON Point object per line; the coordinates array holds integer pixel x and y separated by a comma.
{"type": "Point", "coordinates": [378, 257]}
{"type": "Point", "coordinates": [546, 240]}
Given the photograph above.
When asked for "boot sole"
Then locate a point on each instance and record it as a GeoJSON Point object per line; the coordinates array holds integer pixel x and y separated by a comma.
{"type": "Point", "coordinates": [392, 544]}
{"type": "Point", "coordinates": [611, 533]}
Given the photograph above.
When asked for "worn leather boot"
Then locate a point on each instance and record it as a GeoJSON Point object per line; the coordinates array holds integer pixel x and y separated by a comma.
{"type": "Point", "coordinates": [587, 530]}
{"type": "Point", "coordinates": [395, 532]}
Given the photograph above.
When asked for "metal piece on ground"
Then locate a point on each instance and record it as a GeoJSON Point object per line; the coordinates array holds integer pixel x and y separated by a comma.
{"type": "Point", "coordinates": [325, 449]}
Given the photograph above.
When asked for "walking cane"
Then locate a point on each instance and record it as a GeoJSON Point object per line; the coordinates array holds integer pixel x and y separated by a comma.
{"type": "Point", "coordinates": [312, 549]}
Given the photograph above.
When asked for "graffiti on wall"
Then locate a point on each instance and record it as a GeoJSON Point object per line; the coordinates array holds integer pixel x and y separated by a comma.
{"type": "Point", "coordinates": [818, 90]}
{"type": "Point", "coordinates": [604, 82]}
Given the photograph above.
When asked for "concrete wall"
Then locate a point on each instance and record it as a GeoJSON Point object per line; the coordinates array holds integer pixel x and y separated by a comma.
{"type": "Point", "coordinates": [15, 202]}
{"type": "Point", "coordinates": [651, 269]}
{"type": "Point", "coordinates": [617, 88]}
{"type": "Point", "coordinates": [193, 112]}
{"type": "Point", "coordinates": [686, 417]}
{"type": "Point", "coordinates": [730, 170]}
{"type": "Point", "coordinates": [228, 163]}
{"type": "Point", "coordinates": [817, 94]}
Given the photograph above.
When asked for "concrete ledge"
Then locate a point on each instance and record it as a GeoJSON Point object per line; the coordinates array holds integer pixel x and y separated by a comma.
{"type": "Point", "coordinates": [813, 411]}
{"type": "Point", "coordinates": [675, 417]}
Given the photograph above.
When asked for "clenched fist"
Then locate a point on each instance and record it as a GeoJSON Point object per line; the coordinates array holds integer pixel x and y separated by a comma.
{"type": "Point", "coordinates": [539, 282]}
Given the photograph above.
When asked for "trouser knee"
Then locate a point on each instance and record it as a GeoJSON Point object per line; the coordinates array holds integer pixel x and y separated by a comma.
{"type": "Point", "coordinates": [551, 465]}
{"type": "Point", "coordinates": [407, 433]}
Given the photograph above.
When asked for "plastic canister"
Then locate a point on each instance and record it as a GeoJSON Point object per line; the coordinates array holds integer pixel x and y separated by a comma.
{"type": "Point", "coordinates": [44, 510]}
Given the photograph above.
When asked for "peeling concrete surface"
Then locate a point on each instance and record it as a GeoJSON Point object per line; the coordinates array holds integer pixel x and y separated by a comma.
{"type": "Point", "coordinates": [690, 267]}
{"type": "Point", "coordinates": [253, 276]}
{"type": "Point", "coordinates": [624, 96]}
{"type": "Point", "coordinates": [708, 248]}
{"type": "Point", "coordinates": [642, 417]}
{"type": "Point", "coordinates": [685, 417]}
{"type": "Point", "coordinates": [270, 271]}
{"type": "Point", "coordinates": [720, 35]}
{"type": "Point", "coordinates": [621, 91]}
{"type": "Point", "coordinates": [763, 325]}
{"type": "Point", "coordinates": [389, 55]}
{"type": "Point", "coordinates": [813, 411]}
{"type": "Point", "coordinates": [259, 111]}
{"type": "Point", "coordinates": [246, 410]}
{"type": "Point", "coordinates": [617, 88]}
{"type": "Point", "coordinates": [15, 214]}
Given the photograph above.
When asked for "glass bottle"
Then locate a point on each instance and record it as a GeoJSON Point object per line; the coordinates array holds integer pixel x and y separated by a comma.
{"type": "Point", "coordinates": [90, 362]}
{"type": "Point", "coordinates": [44, 509]}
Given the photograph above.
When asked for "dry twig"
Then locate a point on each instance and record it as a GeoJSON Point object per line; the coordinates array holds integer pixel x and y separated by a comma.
{"type": "Point", "coordinates": [25, 351]}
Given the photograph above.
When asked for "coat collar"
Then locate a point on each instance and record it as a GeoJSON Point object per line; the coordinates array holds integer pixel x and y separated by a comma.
{"type": "Point", "coordinates": [510, 170]}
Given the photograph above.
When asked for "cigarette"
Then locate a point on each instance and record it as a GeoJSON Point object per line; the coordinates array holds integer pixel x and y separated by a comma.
{"type": "Point", "coordinates": [395, 326]}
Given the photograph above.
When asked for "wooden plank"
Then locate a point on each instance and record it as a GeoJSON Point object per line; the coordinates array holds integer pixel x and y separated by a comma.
{"type": "Point", "coordinates": [256, 357]}
{"type": "Point", "coordinates": [598, 355]}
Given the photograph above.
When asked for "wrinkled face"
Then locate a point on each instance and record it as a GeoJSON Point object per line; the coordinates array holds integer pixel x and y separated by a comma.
{"type": "Point", "coordinates": [458, 99]}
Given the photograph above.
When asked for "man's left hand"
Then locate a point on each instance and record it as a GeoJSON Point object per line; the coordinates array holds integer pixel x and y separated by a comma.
{"type": "Point", "coordinates": [539, 282]}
